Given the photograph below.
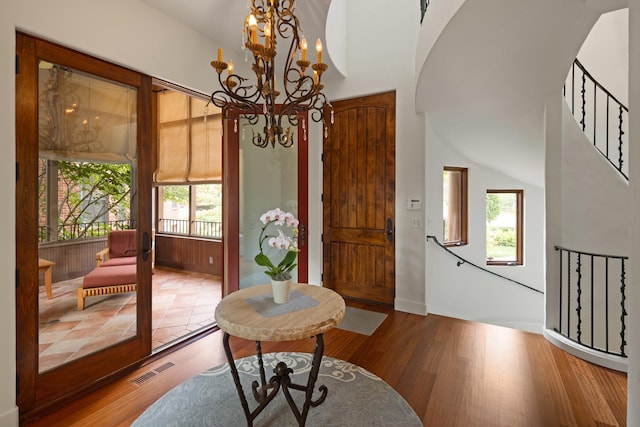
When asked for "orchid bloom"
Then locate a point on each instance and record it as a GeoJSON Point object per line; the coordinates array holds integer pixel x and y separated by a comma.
{"type": "Point", "coordinates": [279, 218]}
{"type": "Point", "coordinates": [280, 242]}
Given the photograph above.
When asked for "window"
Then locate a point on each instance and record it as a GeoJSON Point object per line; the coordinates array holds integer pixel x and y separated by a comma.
{"type": "Point", "coordinates": [454, 206]}
{"type": "Point", "coordinates": [188, 173]}
{"type": "Point", "coordinates": [192, 210]}
{"type": "Point", "coordinates": [504, 227]}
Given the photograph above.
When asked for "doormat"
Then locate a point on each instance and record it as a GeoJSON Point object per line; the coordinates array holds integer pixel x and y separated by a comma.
{"type": "Point", "coordinates": [361, 321]}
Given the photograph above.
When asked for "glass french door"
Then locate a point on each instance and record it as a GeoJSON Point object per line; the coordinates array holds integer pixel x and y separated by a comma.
{"type": "Point", "coordinates": [261, 179]}
{"type": "Point", "coordinates": [82, 138]}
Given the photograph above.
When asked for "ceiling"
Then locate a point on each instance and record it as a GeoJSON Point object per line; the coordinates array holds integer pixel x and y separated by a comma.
{"type": "Point", "coordinates": [485, 81]}
{"type": "Point", "coordinates": [221, 20]}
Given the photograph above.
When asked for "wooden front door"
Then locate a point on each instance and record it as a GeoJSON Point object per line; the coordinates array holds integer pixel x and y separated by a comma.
{"type": "Point", "coordinates": [359, 199]}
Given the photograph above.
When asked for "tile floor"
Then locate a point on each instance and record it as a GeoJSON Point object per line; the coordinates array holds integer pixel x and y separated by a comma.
{"type": "Point", "coordinates": [183, 302]}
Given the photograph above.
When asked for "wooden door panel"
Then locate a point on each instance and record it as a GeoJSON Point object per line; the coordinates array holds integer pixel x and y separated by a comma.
{"type": "Point", "coordinates": [359, 186]}
{"type": "Point", "coordinates": [358, 270]}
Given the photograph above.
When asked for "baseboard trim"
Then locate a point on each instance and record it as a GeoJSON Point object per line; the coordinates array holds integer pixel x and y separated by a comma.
{"type": "Point", "coordinates": [10, 418]}
{"type": "Point", "coordinates": [610, 361]}
{"type": "Point", "coordinates": [410, 307]}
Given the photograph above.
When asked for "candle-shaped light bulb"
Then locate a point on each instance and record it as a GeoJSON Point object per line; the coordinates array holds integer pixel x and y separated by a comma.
{"type": "Point", "coordinates": [230, 67]}
{"type": "Point", "coordinates": [253, 28]}
{"type": "Point", "coordinates": [303, 45]}
{"type": "Point", "coordinates": [316, 79]}
{"type": "Point", "coordinates": [267, 34]}
{"type": "Point", "coordinates": [219, 54]}
{"type": "Point", "coordinates": [319, 50]}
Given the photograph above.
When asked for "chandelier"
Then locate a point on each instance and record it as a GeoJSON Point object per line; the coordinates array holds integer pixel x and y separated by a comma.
{"type": "Point", "coordinates": [268, 21]}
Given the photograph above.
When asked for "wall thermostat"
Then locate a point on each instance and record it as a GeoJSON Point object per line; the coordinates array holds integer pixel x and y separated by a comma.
{"type": "Point", "coordinates": [414, 204]}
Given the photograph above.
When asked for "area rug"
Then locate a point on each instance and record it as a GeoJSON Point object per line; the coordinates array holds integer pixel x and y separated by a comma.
{"type": "Point", "coordinates": [361, 321]}
{"type": "Point", "coordinates": [356, 397]}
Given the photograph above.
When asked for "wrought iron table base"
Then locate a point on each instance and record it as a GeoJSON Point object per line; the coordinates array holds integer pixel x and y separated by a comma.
{"type": "Point", "coordinates": [264, 392]}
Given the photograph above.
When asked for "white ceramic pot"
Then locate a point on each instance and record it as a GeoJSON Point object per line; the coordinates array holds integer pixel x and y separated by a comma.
{"type": "Point", "coordinates": [281, 290]}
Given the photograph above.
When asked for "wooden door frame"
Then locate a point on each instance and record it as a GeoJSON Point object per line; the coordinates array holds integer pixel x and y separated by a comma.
{"type": "Point", "coordinates": [36, 392]}
{"type": "Point", "coordinates": [231, 198]}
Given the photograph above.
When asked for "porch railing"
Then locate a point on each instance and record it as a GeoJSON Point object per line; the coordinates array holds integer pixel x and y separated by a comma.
{"type": "Point", "coordinates": [601, 116]}
{"type": "Point", "coordinates": [593, 300]}
{"type": "Point", "coordinates": [201, 228]}
{"type": "Point", "coordinates": [80, 230]}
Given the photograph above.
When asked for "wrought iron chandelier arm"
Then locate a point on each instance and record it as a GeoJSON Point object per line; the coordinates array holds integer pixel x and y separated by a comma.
{"type": "Point", "coordinates": [268, 21]}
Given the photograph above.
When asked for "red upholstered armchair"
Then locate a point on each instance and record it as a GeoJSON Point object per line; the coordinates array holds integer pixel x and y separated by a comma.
{"type": "Point", "coordinates": [120, 250]}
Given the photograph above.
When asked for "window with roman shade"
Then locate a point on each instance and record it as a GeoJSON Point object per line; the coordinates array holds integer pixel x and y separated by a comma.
{"type": "Point", "coordinates": [189, 140]}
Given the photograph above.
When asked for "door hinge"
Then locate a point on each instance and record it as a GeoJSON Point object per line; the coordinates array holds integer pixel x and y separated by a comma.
{"type": "Point", "coordinates": [322, 277]}
{"type": "Point", "coordinates": [17, 385]}
{"type": "Point", "coordinates": [322, 198]}
{"type": "Point", "coordinates": [17, 64]}
{"type": "Point", "coordinates": [17, 278]}
{"type": "Point", "coordinates": [322, 157]}
{"type": "Point", "coordinates": [322, 237]}
{"type": "Point", "coordinates": [17, 171]}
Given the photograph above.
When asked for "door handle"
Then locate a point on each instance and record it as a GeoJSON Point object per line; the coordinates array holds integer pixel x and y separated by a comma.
{"type": "Point", "coordinates": [302, 236]}
{"type": "Point", "coordinates": [389, 230]}
{"type": "Point", "coordinates": [146, 246]}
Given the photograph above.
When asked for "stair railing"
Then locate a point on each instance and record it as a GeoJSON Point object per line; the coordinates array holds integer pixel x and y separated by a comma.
{"type": "Point", "coordinates": [593, 300]}
{"type": "Point", "coordinates": [462, 261]}
{"type": "Point", "coordinates": [601, 116]}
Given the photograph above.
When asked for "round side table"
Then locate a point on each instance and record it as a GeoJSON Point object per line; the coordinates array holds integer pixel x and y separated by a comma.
{"type": "Point", "coordinates": [251, 314]}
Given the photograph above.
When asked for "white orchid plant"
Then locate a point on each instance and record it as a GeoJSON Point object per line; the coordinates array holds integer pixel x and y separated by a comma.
{"type": "Point", "coordinates": [281, 241]}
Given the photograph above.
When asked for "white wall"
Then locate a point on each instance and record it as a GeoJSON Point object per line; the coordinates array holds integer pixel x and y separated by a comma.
{"type": "Point", "coordinates": [466, 292]}
{"type": "Point", "coordinates": [595, 197]}
{"type": "Point", "coordinates": [605, 53]}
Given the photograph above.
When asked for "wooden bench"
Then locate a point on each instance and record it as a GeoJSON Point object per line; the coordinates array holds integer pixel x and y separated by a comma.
{"type": "Point", "coordinates": [107, 280]}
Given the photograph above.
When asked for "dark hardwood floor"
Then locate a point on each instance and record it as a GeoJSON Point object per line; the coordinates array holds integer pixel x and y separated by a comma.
{"type": "Point", "coordinates": [452, 372]}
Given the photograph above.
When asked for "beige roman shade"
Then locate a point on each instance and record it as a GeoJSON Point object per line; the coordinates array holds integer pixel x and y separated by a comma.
{"type": "Point", "coordinates": [189, 140]}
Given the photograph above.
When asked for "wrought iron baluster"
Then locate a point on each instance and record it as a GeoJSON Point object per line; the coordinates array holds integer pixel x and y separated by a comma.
{"type": "Point", "coordinates": [568, 294]}
{"type": "Point", "coordinates": [595, 110]}
{"type": "Point", "coordinates": [583, 90]}
{"type": "Point", "coordinates": [579, 298]}
{"type": "Point", "coordinates": [560, 298]}
{"type": "Point", "coordinates": [592, 299]}
{"type": "Point", "coordinates": [606, 303]}
{"type": "Point", "coordinates": [620, 133]}
{"type": "Point", "coordinates": [623, 314]}
{"type": "Point", "coordinates": [424, 5]}
{"type": "Point", "coordinates": [607, 138]}
{"type": "Point", "coordinates": [573, 88]}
